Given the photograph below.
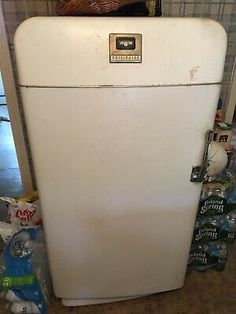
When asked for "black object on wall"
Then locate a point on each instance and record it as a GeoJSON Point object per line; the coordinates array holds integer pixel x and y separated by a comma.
{"type": "Point", "coordinates": [138, 9]}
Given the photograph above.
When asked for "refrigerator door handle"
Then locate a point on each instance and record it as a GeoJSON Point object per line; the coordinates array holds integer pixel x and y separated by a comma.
{"type": "Point", "coordinates": [199, 172]}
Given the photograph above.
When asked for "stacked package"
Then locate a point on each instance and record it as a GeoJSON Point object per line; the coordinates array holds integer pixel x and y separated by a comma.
{"type": "Point", "coordinates": [215, 226]}
{"type": "Point", "coordinates": [24, 276]}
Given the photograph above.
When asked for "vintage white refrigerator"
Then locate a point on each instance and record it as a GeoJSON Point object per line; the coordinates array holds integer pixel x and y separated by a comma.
{"type": "Point", "coordinates": [117, 111]}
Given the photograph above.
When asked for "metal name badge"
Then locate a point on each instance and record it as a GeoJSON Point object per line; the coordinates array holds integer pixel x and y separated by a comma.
{"type": "Point", "coordinates": [125, 48]}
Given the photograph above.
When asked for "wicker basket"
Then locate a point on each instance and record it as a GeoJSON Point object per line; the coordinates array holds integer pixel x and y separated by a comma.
{"type": "Point", "coordinates": [91, 7]}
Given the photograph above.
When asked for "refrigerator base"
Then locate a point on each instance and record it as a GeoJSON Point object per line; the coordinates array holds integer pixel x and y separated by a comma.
{"type": "Point", "coordinates": [81, 302]}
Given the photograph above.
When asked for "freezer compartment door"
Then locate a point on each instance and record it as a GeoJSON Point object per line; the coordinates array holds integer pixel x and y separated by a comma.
{"type": "Point", "coordinates": [76, 51]}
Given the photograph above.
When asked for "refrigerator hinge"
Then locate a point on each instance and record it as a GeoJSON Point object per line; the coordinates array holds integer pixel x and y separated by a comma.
{"type": "Point", "coordinates": [199, 172]}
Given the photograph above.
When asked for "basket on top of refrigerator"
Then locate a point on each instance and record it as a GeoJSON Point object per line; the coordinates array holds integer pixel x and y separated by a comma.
{"type": "Point", "coordinates": [106, 7]}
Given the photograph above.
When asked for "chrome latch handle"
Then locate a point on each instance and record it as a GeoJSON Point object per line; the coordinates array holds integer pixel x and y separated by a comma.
{"type": "Point", "coordinates": [199, 172]}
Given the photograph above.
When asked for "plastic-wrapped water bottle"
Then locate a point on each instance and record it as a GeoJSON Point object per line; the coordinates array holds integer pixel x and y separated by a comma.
{"type": "Point", "coordinates": [10, 296]}
{"type": "Point", "coordinates": [212, 200]}
{"type": "Point", "coordinates": [212, 255]}
{"type": "Point", "coordinates": [26, 273]}
{"type": "Point", "coordinates": [23, 307]}
{"type": "Point", "coordinates": [206, 229]}
{"type": "Point", "coordinates": [232, 220]}
{"type": "Point", "coordinates": [215, 228]}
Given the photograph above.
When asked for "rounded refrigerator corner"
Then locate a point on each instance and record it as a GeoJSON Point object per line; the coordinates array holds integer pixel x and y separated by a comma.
{"type": "Point", "coordinates": [213, 27]}
{"type": "Point", "coordinates": [24, 25]}
{"type": "Point", "coordinates": [218, 29]}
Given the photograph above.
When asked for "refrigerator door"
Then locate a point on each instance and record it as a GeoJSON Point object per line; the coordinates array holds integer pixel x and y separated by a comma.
{"type": "Point", "coordinates": [113, 158]}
